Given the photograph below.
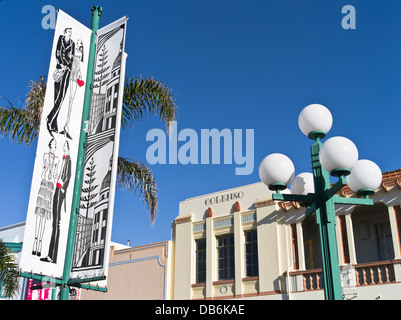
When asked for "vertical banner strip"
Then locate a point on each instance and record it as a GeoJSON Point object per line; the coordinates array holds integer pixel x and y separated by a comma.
{"type": "Point", "coordinates": [93, 232]}
{"type": "Point", "coordinates": [50, 199]}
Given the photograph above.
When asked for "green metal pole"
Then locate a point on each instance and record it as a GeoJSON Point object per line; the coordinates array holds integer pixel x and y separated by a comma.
{"type": "Point", "coordinates": [54, 293]}
{"type": "Point", "coordinates": [64, 289]}
{"type": "Point", "coordinates": [326, 220]}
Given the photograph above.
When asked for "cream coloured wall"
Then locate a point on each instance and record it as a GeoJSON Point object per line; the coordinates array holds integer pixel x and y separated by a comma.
{"type": "Point", "coordinates": [183, 253]}
{"type": "Point", "coordinates": [142, 273]}
{"type": "Point", "coordinates": [215, 214]}
{"type": "Point", "coordinates": [269, 260]}
{"type": "Point", "coordinates": [221, 202]}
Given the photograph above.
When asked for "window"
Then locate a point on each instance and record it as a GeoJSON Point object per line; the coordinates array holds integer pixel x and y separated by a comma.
{"type": "Point", "coordinates": [294, 240]}
{"type": "Point", "coordinates": [344, 238]}
{"type": "Point", "coordinates": [397, 211]}
{"type": "Point", "coordinates": [384, 241]}
{"type": "Point", "coordinates": [201, 261]}
{"type": "Point", "coordinates": [251, 253]}
{"type": "Point", "coordinates": [225, 257]}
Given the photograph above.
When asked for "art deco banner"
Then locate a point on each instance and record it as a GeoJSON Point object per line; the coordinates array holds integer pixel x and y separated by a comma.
{"type": "Point", "coordinates": [52, 185]}
{"type": "Point", "coordinates": [92, 240]}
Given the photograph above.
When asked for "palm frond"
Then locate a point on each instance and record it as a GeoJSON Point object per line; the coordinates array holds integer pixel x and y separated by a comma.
{"type": "Point", "coordinates": [36, 98]}
{"type": "Point", "coordinates": [8, 271]}
{"type": "Point", "coordinates": [147, 96]}
{"type": "Point", "coordinates": [136, 176]}
{"type": "Point", "coordinates": [17, 125]}
{"type": "Point", "coordinates": [22, 124]}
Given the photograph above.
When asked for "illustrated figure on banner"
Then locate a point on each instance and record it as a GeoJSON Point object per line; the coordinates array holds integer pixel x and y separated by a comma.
{"type": "Point", "coordinates": [75, 80]}
{"type": "Point", "coordinates": [43, 209]}
{"type": "Point", "coordinates": [58, 202]}
{"type": "Point", "coordinates": [52, 192]}
{"type": "Point", "coordinates": [64, 55]}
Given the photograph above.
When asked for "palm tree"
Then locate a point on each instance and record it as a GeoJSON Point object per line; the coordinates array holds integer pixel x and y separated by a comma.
{"type": "Point", "coordinates": [141, 96]}
{"type": "Point", "coordinates": [8, 271]}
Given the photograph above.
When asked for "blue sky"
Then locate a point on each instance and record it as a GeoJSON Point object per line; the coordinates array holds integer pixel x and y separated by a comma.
{"type": "Point", "coordinates": [232, 64]}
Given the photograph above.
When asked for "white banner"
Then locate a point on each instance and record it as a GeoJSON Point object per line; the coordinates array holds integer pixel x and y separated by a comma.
{"type": "Point", "coordinates": [92, 239]}
{"type": "Point", "coordinates": [52, 186]}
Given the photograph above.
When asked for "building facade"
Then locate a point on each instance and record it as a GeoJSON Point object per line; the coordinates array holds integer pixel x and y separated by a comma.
{"type": "Point", "coordinates": [238, 243]}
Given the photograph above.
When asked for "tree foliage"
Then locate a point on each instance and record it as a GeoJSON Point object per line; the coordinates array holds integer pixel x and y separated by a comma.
{"type": "Point", "coordinates": [8, 271]}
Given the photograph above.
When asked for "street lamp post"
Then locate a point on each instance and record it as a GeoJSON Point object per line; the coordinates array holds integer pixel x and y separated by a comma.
{"type": "Point", "coordinates": [338, 157]}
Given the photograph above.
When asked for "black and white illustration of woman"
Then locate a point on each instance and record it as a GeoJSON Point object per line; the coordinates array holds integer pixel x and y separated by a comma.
{"type": "Point", "coordinates": [44, 201]}
{"type": "Point", "coordinates": [75, 80]}
{"type": "Point", "coordinates": [59, 204]}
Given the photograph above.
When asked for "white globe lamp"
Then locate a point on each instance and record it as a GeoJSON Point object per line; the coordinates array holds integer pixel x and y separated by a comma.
{"type": "Point", "coordinates": [303, 184]}
{"type": "Point", "coordinates": [315, 121]}
{"type": "Point", "coordinates": [365, 177]}
{"type": "Point", "coordinates": [276, 171]}
{"type": "Point", "coordinates": [338, 155]}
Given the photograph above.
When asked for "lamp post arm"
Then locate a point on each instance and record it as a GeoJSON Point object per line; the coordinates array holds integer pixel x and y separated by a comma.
{"type": "Point", "coordinates": [84, 280]}
{"type": "Point", "coordinates": [40, 277]}
{"type": "Point", "coordinates": [89, 287]}
{"type": "Point", "coordinates": [341, 200]}
{"type": "Point", "coordinates": [342, 181]}
{"type": "Point", "coordinates": [357, 201]}
{"type": "Point", "coordinates": [310, 197]}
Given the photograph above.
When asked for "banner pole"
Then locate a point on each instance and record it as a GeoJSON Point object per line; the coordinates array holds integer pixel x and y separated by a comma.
{"type": "Point", "coordinates": [64, 289]}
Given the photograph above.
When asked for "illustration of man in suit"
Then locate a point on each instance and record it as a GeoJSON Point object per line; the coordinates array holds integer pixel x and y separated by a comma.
{"type": "Point", "coordinates": [64, 55]}
{"type": "Point", "coordinates": [58, 201]}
